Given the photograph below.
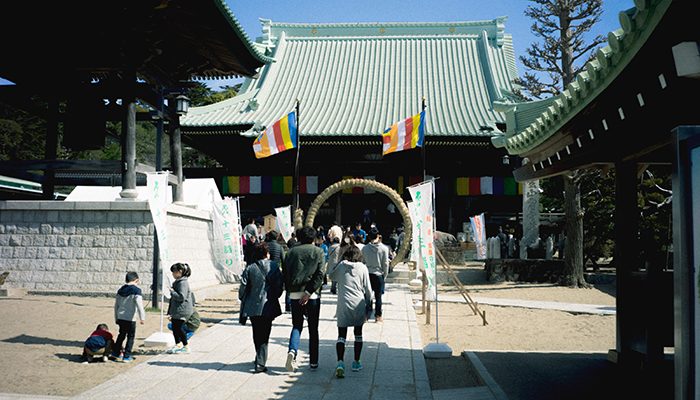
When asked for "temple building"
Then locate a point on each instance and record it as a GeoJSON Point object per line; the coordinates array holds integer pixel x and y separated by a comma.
{"type": "Point", "coordinates": [353, 81]}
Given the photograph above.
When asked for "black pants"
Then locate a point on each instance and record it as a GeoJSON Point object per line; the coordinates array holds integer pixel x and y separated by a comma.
{"type": "Point", "coordinates": [127, 329]}
{"type": "Point", "coordinates": [179, 331]}
{"type": "Point", "coordinates": [377, 284]}
{"type": "Point", "coordinates": [262, 326]}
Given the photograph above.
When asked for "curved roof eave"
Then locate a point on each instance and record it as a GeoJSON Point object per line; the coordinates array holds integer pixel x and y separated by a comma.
{"type": "Point", "coordinates": [637, 24]}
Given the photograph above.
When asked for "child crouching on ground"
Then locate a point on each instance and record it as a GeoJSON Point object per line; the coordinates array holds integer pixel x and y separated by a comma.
{"type": "Point", "coordinates": [99, 343]}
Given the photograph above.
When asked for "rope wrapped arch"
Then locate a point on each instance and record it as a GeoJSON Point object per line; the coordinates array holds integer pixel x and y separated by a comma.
{"type": "Point", "coordinates": [373, 185]}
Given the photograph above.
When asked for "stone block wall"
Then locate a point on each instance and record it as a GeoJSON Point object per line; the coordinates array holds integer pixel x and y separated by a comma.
{"type": "Point", "coordinates": [87, 247]}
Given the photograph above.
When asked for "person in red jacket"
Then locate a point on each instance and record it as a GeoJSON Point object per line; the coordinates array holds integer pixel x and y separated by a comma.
{"type": "Point", "coordinates": [99, 343]}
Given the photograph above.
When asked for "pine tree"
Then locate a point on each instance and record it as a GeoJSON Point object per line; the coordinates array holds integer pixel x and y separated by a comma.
{"type": "Point", "coordinates": [562, 24]}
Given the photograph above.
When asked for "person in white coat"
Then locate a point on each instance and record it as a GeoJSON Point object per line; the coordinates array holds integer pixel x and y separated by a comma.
{"type": "Point", "coordinates": [353, 306]}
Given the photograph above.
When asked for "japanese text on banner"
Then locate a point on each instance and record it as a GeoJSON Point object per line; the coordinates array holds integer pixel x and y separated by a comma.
{"type": "Point", "coordinates": [422, 195]}
{"type": "Point", "coordinates": [157, 185]}
{"type": "Point", "coordinates": [227, 235]}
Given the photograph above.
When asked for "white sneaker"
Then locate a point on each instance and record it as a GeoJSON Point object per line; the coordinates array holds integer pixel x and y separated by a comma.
{"type": "Point", "coordinates": [291, 364]}
{"type": "Point", "coordinates": [174, 349]}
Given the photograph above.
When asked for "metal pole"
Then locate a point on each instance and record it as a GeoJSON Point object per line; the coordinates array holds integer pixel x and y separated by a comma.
{"type": "Point", "coordinates": [295, 200]}
{"type": "Point", "coordinates": [422, 150]}
{"type": "Point", "coordinates": [437, 312]}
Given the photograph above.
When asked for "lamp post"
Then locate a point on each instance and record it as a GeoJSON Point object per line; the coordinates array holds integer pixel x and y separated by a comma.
{"type": "Point", "coordinates": [182, 104]}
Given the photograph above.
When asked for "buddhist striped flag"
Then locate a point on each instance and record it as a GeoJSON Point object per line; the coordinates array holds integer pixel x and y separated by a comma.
{"type": "Point", "coordinates": [404, 135]}
{"type": "Point", "coordinates": [281, 136]}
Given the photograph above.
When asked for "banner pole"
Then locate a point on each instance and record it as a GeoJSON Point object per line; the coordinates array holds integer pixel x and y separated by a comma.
{"type": "Point", "coordinates": [295, 200]}
{"type": "Point", "coordinates": [422, 149]}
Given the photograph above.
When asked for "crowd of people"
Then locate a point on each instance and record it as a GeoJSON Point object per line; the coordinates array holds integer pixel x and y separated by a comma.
{"type": "Point", "coordinates": [355, 262]}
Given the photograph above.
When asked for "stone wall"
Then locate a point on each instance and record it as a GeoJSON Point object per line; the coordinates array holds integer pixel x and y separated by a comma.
{"type": "Point", "coordinates": [87, 247]}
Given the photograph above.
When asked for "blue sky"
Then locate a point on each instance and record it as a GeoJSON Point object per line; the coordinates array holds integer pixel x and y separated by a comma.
{"type": "Point", "coordinates": [249, 11]}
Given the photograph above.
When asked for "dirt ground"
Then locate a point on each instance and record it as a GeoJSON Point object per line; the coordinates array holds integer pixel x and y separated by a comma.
{"type": "Point", "coordinates": [42, 339]}
{"type": "Point", "coordinates": [42, 336]}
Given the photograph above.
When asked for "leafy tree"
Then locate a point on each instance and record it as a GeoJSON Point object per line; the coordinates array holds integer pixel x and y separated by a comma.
{"type": "Point", "coordinates": [562, 24]}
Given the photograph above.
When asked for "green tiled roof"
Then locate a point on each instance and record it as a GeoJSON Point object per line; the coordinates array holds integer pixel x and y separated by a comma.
{"type": "Point", "coordinates": [356, 79]}
{"type": "Point", "coordinates": [637, 25]}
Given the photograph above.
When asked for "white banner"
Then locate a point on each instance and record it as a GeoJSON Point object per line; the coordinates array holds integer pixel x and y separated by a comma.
{"type": "Point", "coordinates": [284, 222]}
{"type": "Point", "coordinates": [422, 195]}
{"type": "Point", "coordinates": [157, 184]}
{"type": "Point", "coordinates": [228, 250]}
{"type": "Point", "coordinates": [414, 255]}
{"type": "Point", "coordinates": [479, 233]}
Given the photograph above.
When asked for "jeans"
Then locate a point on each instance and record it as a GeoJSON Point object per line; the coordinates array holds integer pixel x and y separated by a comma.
{"type": "Point", "coordinates": [311, 310]}
{"type": "Point", "coordinates": [262, 326]}
{"type": "Point", "coordinates": [377, 283]}
{"type": "Point", "coordinates": [126, 329]}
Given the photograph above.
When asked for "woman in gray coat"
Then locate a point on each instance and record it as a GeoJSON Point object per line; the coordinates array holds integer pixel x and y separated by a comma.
{"type": "Point", "coordinates": [354, 303]}
{"type": "Point", "coordinates": [259, 292]}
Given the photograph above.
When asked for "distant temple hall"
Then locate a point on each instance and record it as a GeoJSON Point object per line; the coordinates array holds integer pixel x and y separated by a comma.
{"type": "Point", "coordinates": [353, 81]}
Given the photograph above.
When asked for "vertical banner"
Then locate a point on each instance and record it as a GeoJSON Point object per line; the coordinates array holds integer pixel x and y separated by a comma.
{"type": "Point", "coordinates": [284, 222]}
{"type": "Point", "coordinates": [415, 233]}
{"type": "Point", "coordinates": [479, 232]}
{"type": "Point", "coordinates": [422, 195]}
{"type": "Point", "coordinates": [227, 235]}
{"type": "Point", "coordinates": [157, 184]}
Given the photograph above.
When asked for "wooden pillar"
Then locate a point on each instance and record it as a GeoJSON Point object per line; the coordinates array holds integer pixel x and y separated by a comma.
{"type": "Point", "coordinates": [176, 155]}
{"type": "Point", "coordinates": [338, 209]}
{"type": "Point", "coordinates": [626, 228]}
{"type": "Point", "coordinates": [129, 150]}
{"type": "Point", "coordinates": [50, 149]}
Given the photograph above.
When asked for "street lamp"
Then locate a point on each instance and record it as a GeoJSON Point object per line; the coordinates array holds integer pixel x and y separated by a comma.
{"type": "Point", "coordinates": [182, 104]}
{"type": "Point", "coordinates": [505, 160]}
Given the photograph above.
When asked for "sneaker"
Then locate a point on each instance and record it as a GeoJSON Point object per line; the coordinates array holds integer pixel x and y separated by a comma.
{"type": "Point", "coordinates": [291, 364]}
{"type": "Point", "coordinates": [340, 370]}
{"type": "Point", "coordinates": [356, 366]}
{"type": "Point", "coordinates": [313, 366]}
{"type": "Point", "coordinates": [174, 349]}
{"type": "Point", "coordinates": [184, 350]}
{"type": "Point", "coordinates": [113, 357]}
{"type": "Point", "coordinates": [260, 368]}
{"type": "Point", "coordinates": [104, 358]}
{"type": "Point", "coordinates": [126, 359]}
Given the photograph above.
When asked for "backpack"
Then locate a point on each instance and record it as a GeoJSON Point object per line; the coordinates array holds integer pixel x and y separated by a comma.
{"type": "Point", "coordinates": [193, 321]}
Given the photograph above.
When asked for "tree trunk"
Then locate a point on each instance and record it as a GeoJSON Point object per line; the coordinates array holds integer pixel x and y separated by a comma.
{"type": "Point", "coordinates": [572, 275]}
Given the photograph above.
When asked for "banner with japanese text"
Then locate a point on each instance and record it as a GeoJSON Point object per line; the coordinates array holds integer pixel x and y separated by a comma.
{"type": "Point", "coordinates": [284, 222]}
{"type": "Point", "coordinates": [228, 250]}
{"type": "Point", "coordinates": [157, 185]}
{"type": "Point", "coordinates": [414, 254]}
{"type": "Point", "coordinates": [422, 195]}
{"type": "Point", "coordinates": [479, 233]}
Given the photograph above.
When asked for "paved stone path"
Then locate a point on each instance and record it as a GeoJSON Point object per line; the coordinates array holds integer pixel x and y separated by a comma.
{"type": "Point", "coordinates": [543, 305]}
{"type": "Point", "coordinates": [220, 365]}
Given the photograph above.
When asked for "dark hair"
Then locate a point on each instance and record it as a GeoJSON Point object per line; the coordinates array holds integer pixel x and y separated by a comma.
{"type": "Point", "coordinates": [306, 235]}
{"type": "Point", "coordinates": [335, 240]}
{"type": "Point", "coordinates": [103, 327]}
{"type": "Point", "coordinates": [272, 235]}
{"type": "Point", "coordinates": [373, 233]}
{"type": "Point", "coordinates": [182, 267]}
{"type": "Point", "coordinates": [260, 251]}
{"type": "Point", "coordinates": [131, 276]}
{"type": "Point", "coordinates": [352, 254]}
